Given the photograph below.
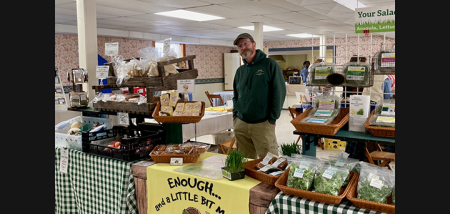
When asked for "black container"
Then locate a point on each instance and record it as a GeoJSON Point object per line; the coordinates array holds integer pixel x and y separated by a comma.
{"type": "Point", "coordinates": [233, 175]}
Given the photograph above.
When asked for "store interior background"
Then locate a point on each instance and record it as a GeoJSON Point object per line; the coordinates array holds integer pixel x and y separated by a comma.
{"type": "Point", "coordinates": [209, 52]}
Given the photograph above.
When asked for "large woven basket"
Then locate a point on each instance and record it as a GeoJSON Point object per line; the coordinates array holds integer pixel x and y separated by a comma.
{"type": "Point", "coordinates": [178, 119]}
{"type": "Point", "coordinates": [251, 171]}
{"type": "Point", "coordinates": [379, 131]}
{"type": "Point", "coordinates": [166, 158]}
{"type": "Point", "coordinates": [315, 196]}
{"type": "Point", "coordinates": [370, 205]}
{"type": "Point", "coordinates": [330, 129]}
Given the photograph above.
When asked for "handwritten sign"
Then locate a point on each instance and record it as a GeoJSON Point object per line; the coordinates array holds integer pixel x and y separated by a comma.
{"type": "Point", "coordinates": [186, 86]}
{"type": "Point", "coordinates": [102, 72]}
{"type": "Point", "coordinates": [111, 49]}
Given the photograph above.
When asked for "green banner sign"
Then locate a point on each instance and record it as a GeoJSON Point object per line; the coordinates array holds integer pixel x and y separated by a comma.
{"type": "Point", "coordinates": [375, 19]}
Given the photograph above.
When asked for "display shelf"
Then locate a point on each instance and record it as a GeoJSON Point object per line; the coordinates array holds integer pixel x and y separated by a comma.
{"type": "Point", "coordinates": [60, 96]}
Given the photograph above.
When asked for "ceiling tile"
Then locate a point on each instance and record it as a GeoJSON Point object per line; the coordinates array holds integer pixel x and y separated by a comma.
{"type": "Point", "coordinates": [66, 17]}
{"type": "Point", "coordinates": [59, 2]}
{"type": "Point", "coordinates": [65, 11]}
{"type": "Point", "coordinates": [218, 10]}
{"type": "Point", "coordinates": [291, 16]}
{"type": "Point", "coordinates": [231, 22]}
{"type": "Point", "coordinates": [255, 7]}
{"type": "Point", "coordinates": [309, 2]}
{"type": "Point", "coordinates": [285, 4]}
{"type": "Point", "coordinates": [177, 3]}
{"type": "Point", "coordinates": [115, 11]}
{"type": "Point", "coordinates": [134, 5]}
{"type": "Point", "coordinates": [260, 18]}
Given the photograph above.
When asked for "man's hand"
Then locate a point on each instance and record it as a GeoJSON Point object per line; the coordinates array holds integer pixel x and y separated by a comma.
{"type": "Point", "coordinates": [273, 126]}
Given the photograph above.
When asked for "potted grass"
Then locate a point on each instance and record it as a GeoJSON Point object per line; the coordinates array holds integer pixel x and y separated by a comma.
{"type": "Point", "coordinates": [234, 168]}
{"type": "Point", "coordinates": [289, 149]}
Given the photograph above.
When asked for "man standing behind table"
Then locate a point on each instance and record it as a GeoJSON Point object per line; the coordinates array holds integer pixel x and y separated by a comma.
{"type": "Point", "coordinates": [259, 91]}
{"type": "Point", "coordinates": [304, 72]}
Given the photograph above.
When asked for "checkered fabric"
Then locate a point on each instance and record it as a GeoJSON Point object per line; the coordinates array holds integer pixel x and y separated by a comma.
{"type": "Point", "coordinates": [289, 204]}
{"type": "Point", "coordinates": [94, 184]}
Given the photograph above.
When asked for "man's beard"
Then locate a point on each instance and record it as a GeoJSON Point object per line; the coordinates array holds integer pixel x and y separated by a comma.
{"type": "Point", "coordinates": [246, 53]}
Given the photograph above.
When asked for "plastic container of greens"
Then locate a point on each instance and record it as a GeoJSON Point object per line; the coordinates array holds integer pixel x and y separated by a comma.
{"type": "Point", "coordinates": [319, 73]}
{"type": "Point", "coordinates": [384, 114]}
{"type": "Point", "coordinates": [384, 62]}
{"type": "Point", "coordinates": [357, 74]}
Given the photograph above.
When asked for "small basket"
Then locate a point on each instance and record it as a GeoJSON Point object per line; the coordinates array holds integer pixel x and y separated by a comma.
{"type": "Point", "coordinates": [258, 175]}
{"type": "Point", "coordinates": [330, 129]}
{"type": "Point", "coordinates": [371, 205]}
{"type": "Point", "coordinates": [166, 158]}
{"type": "Point", "coordinates": [315, 196]}
{"type": "Point", "coordinates": [178, 119]}
{"type": "Point", "coordinates": [379, 131]}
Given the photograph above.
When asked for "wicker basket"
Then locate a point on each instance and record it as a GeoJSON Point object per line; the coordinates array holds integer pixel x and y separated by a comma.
{"type": "Point", "coordinates": [315, 196]}
{"type": "Point", "coordinates": [166, 158]}
{"type": "Point", "coordinates": [178, 119]}
{"type": "Point", "coordinates": [330, 129]}
{"type": "Point", "coordinates": [380, 207]}
{"type": "Point", "coordinates": [379, 131]}
{"type": "Point", "coordinates": [251, 171]}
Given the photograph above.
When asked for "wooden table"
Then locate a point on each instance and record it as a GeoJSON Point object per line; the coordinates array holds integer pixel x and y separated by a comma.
{"type": "Point", "coordinates": [261, 195]}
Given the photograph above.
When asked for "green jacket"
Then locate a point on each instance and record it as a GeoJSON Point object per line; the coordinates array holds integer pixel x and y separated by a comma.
{"type": "Point", "coordinates": [259, 90]}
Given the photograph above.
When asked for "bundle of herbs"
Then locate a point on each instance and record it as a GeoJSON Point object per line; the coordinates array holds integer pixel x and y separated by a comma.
{"type": "Point", "coordinates": [375, 183]}
{"type": "Point", "coordinates": [330, 179]}
{"type": "Point", "coordinates": [384, 62]}
{"type": "Point", "coordinates": [357, 74]}
{"type": "Point", "coordinates": [234, 160]}
{"type": "Point", "coordinates": [319, 73]}
{"type": "Point", "coordinates": [290, 148]}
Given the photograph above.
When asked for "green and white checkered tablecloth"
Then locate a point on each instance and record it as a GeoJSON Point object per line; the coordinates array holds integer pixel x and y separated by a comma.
{"type": "Point", "coordinates": [289, 204]}
{"type": "Point", "coordinates": [94, 184]}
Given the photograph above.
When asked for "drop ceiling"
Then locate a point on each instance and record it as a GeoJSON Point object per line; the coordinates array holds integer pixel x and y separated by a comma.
{"type": "Point", "coordinates": [136, 17]}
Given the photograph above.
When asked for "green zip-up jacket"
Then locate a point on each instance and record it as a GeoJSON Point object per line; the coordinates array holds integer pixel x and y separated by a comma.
{"type": "Point", "coordinates": [259, 90]}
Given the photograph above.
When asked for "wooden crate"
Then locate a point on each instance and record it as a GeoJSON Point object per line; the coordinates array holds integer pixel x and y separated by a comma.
{"type": "Point", "coordinates": [128, 107]}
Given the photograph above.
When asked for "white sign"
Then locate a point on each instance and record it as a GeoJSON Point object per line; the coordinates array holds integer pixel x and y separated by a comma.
{"type": "Point", "coordinates": [102, 72]}
{"type": "Point", "coordinates": [111, 49]}
{"type": "Point", "coordinates": [186, 86]}
{"type": "Point", "coordinates": [375, 19]}
{"type": "Point", "coordinates": [64, 160]}
{"type": "Point", "coordinates": [166, 47]}
{"type": "Point", "coordinates": [176, 161]}
{"type": "Point", "coordinates": [123, 118]}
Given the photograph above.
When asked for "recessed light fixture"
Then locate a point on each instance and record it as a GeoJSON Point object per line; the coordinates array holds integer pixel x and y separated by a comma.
{"type": "Point", "coordinates": [265, 28]}
{"type": "Point", "coordinates": [189, 15]}
{"type": "Point", "coordinates": [302, 35]}
{"type": "Point", "coordinates": [351, 4]}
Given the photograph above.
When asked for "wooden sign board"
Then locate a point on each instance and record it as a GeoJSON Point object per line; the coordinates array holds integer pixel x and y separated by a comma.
{"type": "Point", "coordinates": [295, 80]}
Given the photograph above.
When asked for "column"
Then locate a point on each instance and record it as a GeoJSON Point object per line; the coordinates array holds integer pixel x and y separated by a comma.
{"type": "Point", "coordinates": [258, 35]}
{"type": "Point", "coordinates": [87, 42]}
{"type": "Point", "coordinates": [322, 48]}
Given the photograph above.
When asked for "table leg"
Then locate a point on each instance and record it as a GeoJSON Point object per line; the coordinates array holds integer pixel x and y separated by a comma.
{"type": "Point", "coordinates": [173, 133]}
{"type": "Point", "coordinates": [308, 147]}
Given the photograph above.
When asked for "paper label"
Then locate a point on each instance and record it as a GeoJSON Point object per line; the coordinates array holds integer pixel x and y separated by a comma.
{"type": "Point", "coordinates": [376, 183]}
{"type": "Point", "coordinates": [82, 97]}
{"type": "Point", "coordinates": [303, 165]}
{"type": "Point", "coordinates": [111, 49]}
{"type": "Point", "coordinates": [276, 173]}
{"type": "Point", "coordinates": [328, 173]}
{"type": "Point", "coordinates": [102, 72]}
{"type": "Point", "coordinates": [383, 119]}
{"type": "Point", "coordinates": [298, 173]}
{"type": "Point", "coordinates": [388, 109]}
{"type": "Point", "coordinates": [226, 174]}
{"type": "Point", "coordinates": [326, 104]}
{"type": "Point", "coordinates": [355, 73]}
{"type": "Point", "coordinates": [388, 60]}
{"type": "Point", "coordinates": [372, 176]}
{"type": "Point", "coordinates": [166, 47]}
{"type": "Point", "coordinates": [176, 161]}
{"type": "Point", "coordinates": [322, 72]}
{"type": "Point", "coordinates": [276, 163]}
{"type": "Point", "coordinates": [320, 121]}
{"type": "Point", "coordinates": [123, 118]}
{"type": "Point", "coordinates": [186, 86]}
{"type": "Point", "coordinates": [323, 113]}
{"type": "Point", "coordinates": [64, 161]}
{"type": "Point", "coordinates": [340, 162]}
{"type": "Point", "coordinates": [265, 168]}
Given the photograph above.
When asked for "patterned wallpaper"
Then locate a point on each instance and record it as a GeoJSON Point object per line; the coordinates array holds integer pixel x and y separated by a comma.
{"type": "Point", "coordinates": [209, 59]}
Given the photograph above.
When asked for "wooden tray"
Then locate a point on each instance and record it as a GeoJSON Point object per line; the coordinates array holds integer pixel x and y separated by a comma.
{"type": "Point", "coordinates": [178, 119]}
{"type": "Point", "coordinates": [260, 176]}
{"type": "Point", "coordinates": [379, 131]}
{"type": "Point", "coordinates": [330, 129]}
{"type": "Point", "coordinates": [166, 158]}
{"type": "Point", "coordinates": [315, 196]}
{"type": "Point", "coordinates": [128, 107]}
{"type": "Point", "coordinates": [380, 207]}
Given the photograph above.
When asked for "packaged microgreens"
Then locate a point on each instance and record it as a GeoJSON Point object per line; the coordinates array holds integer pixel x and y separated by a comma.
{"type": "Point", "coordinates": [330, 179]}
{"type": "Point", "coordinates": [357, 74]}
{"type": "Point", "coordinates": [375, 183]}
{"type": "Point", "coordinates": [384, 114]}
{"type": "Point", "coordinates": [341, 160]}
{"type": "Point", "coordinates": [301, 173]}
{"type": "Point", "coordinates": [319, 73]}
{"type": "Point", "coordinates": [384, 62]}
{"type": "Point", "coordinates": [324, 111]}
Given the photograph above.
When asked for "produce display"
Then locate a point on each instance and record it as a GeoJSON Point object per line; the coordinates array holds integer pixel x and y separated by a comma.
{"type": "Point", "coordinates": [384, 62]}
{"type": "Point", "coordinates": [330, 179]}
{"type": "Point", "coordinates": [302, 172]}
{"type": "Point", "coordinates": [272, 165]}
{"type": "Point", "coordinates": [357, 74]}
{"type": "Point", "coordinates": [375, 183]}
{"type": "Point", "coordinates": [319, 72]}
{"type": "Point", "coordinates": [342, 160]}
{"type": "Point", "coordinates": [325, 109]}
{"type": "Point", "coordinates": [187, 148]}
{"type": "Point", "coordinates": [170, 106]}
{"type": "Point", "coordinates": [384, 114]}
{"type": "Point", "coordinates": [289, 149]}
{"type": "Point", "coordinates": [132, 98]}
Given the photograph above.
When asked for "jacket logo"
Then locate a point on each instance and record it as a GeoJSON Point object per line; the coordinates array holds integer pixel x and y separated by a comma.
{"type": "Point", "coordinates": [260, 72]}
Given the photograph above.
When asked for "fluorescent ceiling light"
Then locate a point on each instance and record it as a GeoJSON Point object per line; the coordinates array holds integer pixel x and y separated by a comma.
{"type": "Point", "coordinates": [302, 35]}
{"type": "Point", "coordinates": [265, 28]}
{"type": "Point", "coordinates": [184, 14]}
{"type": "Point", "coordinates": [351, 4]}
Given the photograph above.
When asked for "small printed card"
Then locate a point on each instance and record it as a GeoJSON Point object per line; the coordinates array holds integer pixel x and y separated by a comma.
{"type": "Point", "coordinates": [299, 173]}
{"type": "Point", "coordinates": [383, 119]}
{"type": "Point", "coordinates": [320, 121]}
{"type": "Point", "coordinates": [64, 162]}
{"type": "Point", "coordinates": [176, 161]}
{"type": "Point", "coordinates": [323, 113]}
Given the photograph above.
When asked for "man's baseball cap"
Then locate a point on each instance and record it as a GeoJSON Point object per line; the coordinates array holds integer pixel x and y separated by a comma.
{"type": "Point", "coordinates": [243, 36]}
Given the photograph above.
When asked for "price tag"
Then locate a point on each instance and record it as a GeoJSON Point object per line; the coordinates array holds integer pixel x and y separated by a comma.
{"type": "Point", "coordinates": [377, 183]}
{"type": "Point", "coordinates": [64, 162]}
{"type": "Point", "coordinates": [102, 72]}
{"type": "Point", "coordinates": [298, 173]}
{"type": "Point", "coordinates": [328, 173]}
{"type": "Point", "coordinates": [176, 161]}
{"type": "Point", "coordinates": [123, 118]}
{"type": "Point", "coordinates": [166, 47]}
{"type": "Point", "coordinates": [186, 86]}
{"type": "Point", "coordinates": [111, 49]}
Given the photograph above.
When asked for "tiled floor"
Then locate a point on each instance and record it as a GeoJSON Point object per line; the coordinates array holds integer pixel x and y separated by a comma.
{"type": "Point", "coordinates": [284, 132]}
